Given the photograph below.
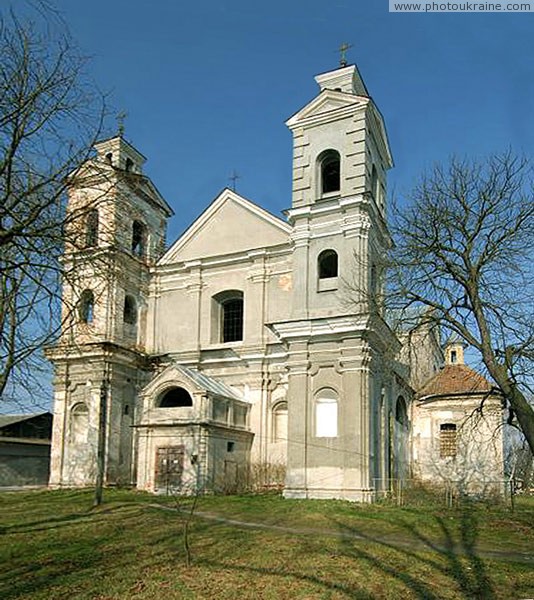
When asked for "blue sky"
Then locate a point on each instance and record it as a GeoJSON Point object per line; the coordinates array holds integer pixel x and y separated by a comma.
{"type": "Point", "coordinates": [208, 85]}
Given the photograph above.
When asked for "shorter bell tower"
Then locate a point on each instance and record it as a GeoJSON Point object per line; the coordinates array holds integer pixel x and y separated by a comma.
{"type": "Point", "coordinates": [115, 230]}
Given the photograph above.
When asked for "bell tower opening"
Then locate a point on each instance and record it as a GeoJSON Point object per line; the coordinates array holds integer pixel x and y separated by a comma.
{"type": "Point", "coordinates": [329, 171]}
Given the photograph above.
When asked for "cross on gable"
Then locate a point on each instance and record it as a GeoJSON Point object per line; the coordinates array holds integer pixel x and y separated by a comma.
{"type": "Point", "coordinates": [233, 178]}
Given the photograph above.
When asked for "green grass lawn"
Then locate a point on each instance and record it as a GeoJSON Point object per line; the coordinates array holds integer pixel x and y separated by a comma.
{"type": "Point", "coordinates": [54, 546]}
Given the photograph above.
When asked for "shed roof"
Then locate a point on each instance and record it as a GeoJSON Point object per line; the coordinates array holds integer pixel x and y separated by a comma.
{"type": "Point", "coordinates": [6, 420]}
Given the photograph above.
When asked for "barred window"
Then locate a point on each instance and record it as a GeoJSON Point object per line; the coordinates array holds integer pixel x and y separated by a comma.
{"type": "Point", "coordinates": [227, 317]}
{"type": "Point", "coordinates": [447, 440]}
{"type": "Point", "coordinates": [232, 330]}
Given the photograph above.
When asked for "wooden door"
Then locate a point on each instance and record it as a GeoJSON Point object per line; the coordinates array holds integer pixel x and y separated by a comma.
{"type": "Point", "coordinates": [169, 468]}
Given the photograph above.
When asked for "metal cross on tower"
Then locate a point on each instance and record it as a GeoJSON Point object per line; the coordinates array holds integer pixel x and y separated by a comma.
{"type": "Point", "coordinates": [343, 51]}
{"type": "Point", "coordinates": [120, 122]}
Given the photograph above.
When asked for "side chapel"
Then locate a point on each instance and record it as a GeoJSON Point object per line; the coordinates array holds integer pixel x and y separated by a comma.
{"type": "Point", "coordinates": [262, 344]}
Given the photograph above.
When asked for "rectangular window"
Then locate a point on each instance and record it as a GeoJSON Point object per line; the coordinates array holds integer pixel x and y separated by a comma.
{"type": "Point", "coordinates": [447, 440]}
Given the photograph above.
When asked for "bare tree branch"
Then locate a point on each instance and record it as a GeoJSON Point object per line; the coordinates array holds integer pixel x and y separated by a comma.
{"type": "Point", "coordinates": [50, 117]}
{"type": "Point", "coordinates": [463, 248]}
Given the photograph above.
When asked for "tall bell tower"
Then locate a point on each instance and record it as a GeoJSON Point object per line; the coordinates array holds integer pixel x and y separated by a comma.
{"type": "Point", "coordinates": [115, 230]}
{"type": "Point", "coordinates": [337, 340]}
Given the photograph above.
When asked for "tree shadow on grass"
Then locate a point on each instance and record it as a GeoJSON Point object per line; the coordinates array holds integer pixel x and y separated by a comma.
{"type": "Point", "coordinates": [454, 555]}
{"type": "Point", "coordinates": [328, 585]}
{"type": "Point", "coordinates": [467, 568]}
{"type": "Point", "coordinates": [57, 522]}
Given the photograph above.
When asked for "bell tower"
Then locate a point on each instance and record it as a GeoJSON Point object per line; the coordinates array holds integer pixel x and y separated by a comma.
{"type": "Point", "coordinates": [115, 230]}
{"type": "Point", "coordinates": [337, 339]}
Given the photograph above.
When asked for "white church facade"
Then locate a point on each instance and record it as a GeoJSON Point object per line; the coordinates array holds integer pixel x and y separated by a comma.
{"type": "Point", "coordinates": [251, 340]}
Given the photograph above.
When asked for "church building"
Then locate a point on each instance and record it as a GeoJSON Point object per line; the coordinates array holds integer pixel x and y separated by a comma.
{"type": "Point", "coordinates": [264, 344]}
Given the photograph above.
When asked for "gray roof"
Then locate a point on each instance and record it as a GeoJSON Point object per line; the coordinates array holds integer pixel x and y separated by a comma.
{"type": "Point", "coordinates": [210, 384]}
{"type": "Point", "coordinates": [6, 420]}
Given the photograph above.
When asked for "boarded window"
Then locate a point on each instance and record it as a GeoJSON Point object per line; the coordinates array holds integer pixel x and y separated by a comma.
{"type": "Point", "coordinates": [79, 423]}
{"type": "Point", "coordinates": [280, 422]}
{"type": "Point", "coordinates": [447, 440]}
{"type": "Point", "coordinates": [326, 413]}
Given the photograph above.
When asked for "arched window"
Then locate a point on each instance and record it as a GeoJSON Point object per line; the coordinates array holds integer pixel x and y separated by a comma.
{"type": "Point", "coordinates": [447, 440]}
{"type": "Point", "coordinates": [91, 228]}
{"type": "Point", "coordinates": [326, 417]}
{"type": "Point", "coordinates": [228, 316]}
{"type": "Point", "coordinates": [79, 423]}
{"type": "Point", "coordinates": [280, 422]}
{"type": "Point", "coordinates": [87, 306]}
{"type": "Point", "coordinates": [175, 397]}
{"type": "Point", "coordinates": [401, 412]}
{"type": "Point", "coordinates": [109, 158]}
{"type": "Point", "coordinates": [138, 238]}
{"type": "Point", "coordinates": [330, 171]}
{"type": "Point", "coordinates": [327, 264]}
{"type": "Point", "coordinates": [128, 165]}
{"type": "Point", "coordinates": [130, 310]}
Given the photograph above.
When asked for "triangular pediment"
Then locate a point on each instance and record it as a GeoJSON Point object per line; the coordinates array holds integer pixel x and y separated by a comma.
{"type": "Point", "coordinates": [177, 375]}
{"type": "Point", "coordinates": [231, 224]}
{"type": "Point", "coordinates": [145, 188]}
{"type": "Point", "coordinates": [327, 102]}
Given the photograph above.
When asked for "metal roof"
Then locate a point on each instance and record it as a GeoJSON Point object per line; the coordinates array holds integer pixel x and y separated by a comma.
{"type": "Point", "coordinates": [210, 384]}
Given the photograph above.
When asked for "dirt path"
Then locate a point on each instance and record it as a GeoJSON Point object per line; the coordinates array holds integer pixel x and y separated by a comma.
{"type": "Point", "coordinates": [391, 541]}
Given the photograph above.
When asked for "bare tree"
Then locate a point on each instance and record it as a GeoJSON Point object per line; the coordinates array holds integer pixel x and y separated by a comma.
{"type": "Point", "coordinates": [49, 119]}
{"type": "Point", "coordinates": [463, 258]}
